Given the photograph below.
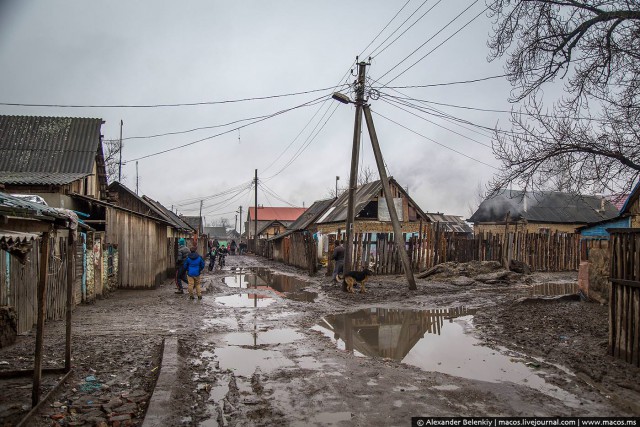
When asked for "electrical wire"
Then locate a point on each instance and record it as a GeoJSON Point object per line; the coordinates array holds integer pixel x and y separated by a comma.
{"type": "Point", "coordinates": [228, 131]}
{"type": "Point", "coordinates": [439, 125]}
{"type": "Point", "coordinates": [201, 128]}
{"type": "Point", "coordinates": [385, 27]}
{"type": "Point", "coordinates": [276, 195]}
{"type": "Point", "coordinates": [480, 79]}
{"type": "Point", "coordinates": [434, 141]}
{"type": "Point", "coordinates": [182, 104]}
{"type": "Point", "coordinates": [441, 43]}
{"type": "Point", "coordinates": [192, 200]}
{"type": "Point", "coordinates": [427, 41]}
{"type": "Point", "coordinates": [408, 28]}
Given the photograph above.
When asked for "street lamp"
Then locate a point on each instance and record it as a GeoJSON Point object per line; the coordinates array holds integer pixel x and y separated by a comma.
{"type": "Point", "coordinates": [341, 97]}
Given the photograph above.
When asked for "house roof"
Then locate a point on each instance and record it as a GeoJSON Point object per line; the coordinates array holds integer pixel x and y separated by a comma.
{"type": "Point", "coordinates": [311, 214]}
{"type": "Point", "coordinates": [19, 207]}
{"type": "Point", "coordinates": [450, 223]}
{"type": "Point", "coordinates": [635, 194]}
{"type": "Point", "coordinates": [48, 150]}
{"type": "Point", "coordinates": [544, 207]}
{"type": "Point", "coordinates": [152, 211]}
{"type": "Point", "coordinates": [364, 194]}
{"type": "Point", "coordinates": [270, 213]}
{"type": "Point", "coordinates": [216, 232]}
{"type": "Point", "coordinates": [194, 221]}
{"type": "Point", "coordinates": [268, 224]}
{"type": "Point", "coordinates": [174, 219]}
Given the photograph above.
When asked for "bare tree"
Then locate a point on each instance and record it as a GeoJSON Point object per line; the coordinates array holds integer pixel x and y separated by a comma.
{"type": "Point", "coordinates": [366, 175]}
{"type": "Point", "coordinates": [111, 151]}
{"type": "Point", "coordinates": [223, 222]}
{"type": "Point", "coordinates": [589, 139]}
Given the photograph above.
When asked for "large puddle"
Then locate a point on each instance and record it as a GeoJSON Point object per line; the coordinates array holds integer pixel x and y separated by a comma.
{"type": "Point", "coordinates": [432, 340]}
{"type": "Point", "coordinates": [245, 300]}
{"type": "Point", "coordinates": [263, 279]}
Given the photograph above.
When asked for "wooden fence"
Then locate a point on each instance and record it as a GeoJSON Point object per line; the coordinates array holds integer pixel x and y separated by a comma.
{"type": "Point", "coordinates": [541, 251]}
{"type": "Point", "coordinates": [19, 283]}
{"type": "Point", "coordinates": [297, 249]}
{"type": "Point", "coordinates": [624, 301]}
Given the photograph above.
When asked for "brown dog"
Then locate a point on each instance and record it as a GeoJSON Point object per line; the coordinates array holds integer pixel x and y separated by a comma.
{"type": "Point", "coordinates": [353, 277]}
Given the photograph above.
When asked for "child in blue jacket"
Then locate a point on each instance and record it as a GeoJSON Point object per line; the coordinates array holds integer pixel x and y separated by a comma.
{"type": "Point", "coordinates": [194, 264]}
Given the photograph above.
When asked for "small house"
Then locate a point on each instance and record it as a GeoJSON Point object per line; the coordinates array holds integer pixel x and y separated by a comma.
{"type": "Point", "coordinates": [271, 220]}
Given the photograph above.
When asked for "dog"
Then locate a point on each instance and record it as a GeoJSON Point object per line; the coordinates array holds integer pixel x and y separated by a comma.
{"type": "Point", "coordinates": [351, 278]}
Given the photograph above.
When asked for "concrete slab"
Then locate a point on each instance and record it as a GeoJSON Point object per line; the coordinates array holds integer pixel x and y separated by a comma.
{"type": "Point", "coordinates": [159, 404]}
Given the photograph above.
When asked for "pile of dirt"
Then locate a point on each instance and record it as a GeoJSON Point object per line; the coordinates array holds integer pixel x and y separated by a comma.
{"type": "Point", "coordinates": [468, 273]}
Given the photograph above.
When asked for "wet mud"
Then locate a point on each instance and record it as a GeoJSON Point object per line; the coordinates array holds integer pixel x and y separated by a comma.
{"type": "Point", "coordinates": [268, 345]}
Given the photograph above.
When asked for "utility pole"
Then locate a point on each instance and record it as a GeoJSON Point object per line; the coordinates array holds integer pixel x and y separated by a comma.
{"type": "Point", "coordinates": [137, 181]}
{"type": "Point", "coordinates": [200, 217]}
{"type": "Point", "coordinates": [240, 223]}
{"type": "Point", "coordinates": [120, 150]}
{"type": "Point", "coordinates": [337, 179]}
{"type": "Point", "coordinates": [353, 177]}
{"type": "Point", "coordinates": [235, 224]}
{"type": "Point", "coordinates": [397, 231]}
{"type": "Point", "coordinates": [255, 217]}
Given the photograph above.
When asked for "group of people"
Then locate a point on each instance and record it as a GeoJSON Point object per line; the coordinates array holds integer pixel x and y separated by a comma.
{"type": "Point", "coordinates": [189, 264]}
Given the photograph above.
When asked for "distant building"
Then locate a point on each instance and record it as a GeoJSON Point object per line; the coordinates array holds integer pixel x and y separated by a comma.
{"type": "Point", "coordinates": [272, 220]}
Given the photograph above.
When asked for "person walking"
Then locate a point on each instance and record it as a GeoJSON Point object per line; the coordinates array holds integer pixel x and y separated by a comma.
{"type": "Point", "coordinates": [194, 264]}
{"type": "Point", "coordinates": [181, 273]}
{"type": "Point", "coordinates": [338, 257]}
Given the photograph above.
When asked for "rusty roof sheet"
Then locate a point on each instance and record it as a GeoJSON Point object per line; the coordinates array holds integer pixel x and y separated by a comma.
{"type": "Point", "coordinates": [51, 149]}
{"type": "Point", "coordinates": [450, 223]}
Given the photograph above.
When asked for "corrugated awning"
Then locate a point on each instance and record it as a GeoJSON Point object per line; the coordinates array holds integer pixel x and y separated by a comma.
{"type": "Point", "coordinates": [8, 236]}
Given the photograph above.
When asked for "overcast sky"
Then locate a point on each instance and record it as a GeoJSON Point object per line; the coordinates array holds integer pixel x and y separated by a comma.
{"type": "Point", "coordinates": [151, 52]}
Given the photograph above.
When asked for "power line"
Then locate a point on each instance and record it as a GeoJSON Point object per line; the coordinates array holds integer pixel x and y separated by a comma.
{"type": "Point", "coordinates": [385, 27]}
{"type": "Point", "coordinates": [427, 41]}
{"type": "Point", "coordinates": [443, 42]}
{"type": "Point", "coordinates": [480, 79]}
{"type": "Point", "coordinates": [229, 131]}
{"type": "Point", "coordinates": [193, 200]}
{"type": "Point", "coordinates": [408, 28]}
{"type": "Point", "coordinates": [439, 125]}
{"type": "Point", "coordinates": [276, 195]}
{"type": "Point", "coordinates": [183, 104]}
{"type": "Point", "coordinates": [435, 142]}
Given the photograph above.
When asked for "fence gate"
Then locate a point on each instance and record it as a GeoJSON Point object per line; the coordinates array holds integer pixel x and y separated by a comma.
{"type": "Point", "coordinates": [624, 301]}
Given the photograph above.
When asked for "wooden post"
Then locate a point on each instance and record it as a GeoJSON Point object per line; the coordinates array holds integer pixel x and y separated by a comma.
{"type": "Point", "coordinates": [71, 253]}
{"type": "Point", "coordinates": [505, 248]}
{"type": "Point", "coordinates": [397, 231]}
{"type": "Point", "coordinates": [42, 293]}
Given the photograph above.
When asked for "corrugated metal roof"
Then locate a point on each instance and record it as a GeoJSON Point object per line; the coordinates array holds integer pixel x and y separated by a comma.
{"type": "Point", "coordinates": [269, 213]}
{"type": "Point", "coordinates": [8, 236]}
{"type": "Point", "coordinates": [45, 178]}
{"type": "Point", "coordinates": [14, 206]}
{"type": "Point", "coordinates": [311, 215]}
{"type": "Point", "coordinates": [171, 217]}
{"type": "Point", "coordinates": [450, 223]}
{"type": "Point", "coordinates": [363, 195]}
{"type": "Point", "coordinates": [193, 221]}
{"type": "Point", "coordinates": [55, 147]}
{"type": "Point", "coordinates": [544, 207]}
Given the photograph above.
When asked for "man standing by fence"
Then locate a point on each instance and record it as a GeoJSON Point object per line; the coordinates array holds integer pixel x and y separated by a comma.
{"type": "Point", "coordinates": [338, 258]}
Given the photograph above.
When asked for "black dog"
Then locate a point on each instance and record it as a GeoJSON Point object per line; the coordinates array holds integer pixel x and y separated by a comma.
{"type": "Point", "coordinates": [353, 277]}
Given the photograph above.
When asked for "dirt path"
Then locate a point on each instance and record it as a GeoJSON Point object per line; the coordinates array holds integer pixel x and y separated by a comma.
{"type": "Point", "coordinates": [280, 359]}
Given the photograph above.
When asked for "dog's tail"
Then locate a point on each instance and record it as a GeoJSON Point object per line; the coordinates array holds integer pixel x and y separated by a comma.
{"type": "Point", "coordinates": [344, 284]}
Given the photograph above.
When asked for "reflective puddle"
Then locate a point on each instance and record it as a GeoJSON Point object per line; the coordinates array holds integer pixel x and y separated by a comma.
{"type": "Point", "coordinates": [263, 279]}
{"type": "Point", "coordinates": [244, 352]}
{"type": "Point", "coordinates": [432, 340]}
{"type": "Point", "coordinates": [553, 289]}
{"type": "Point", "coordinates": [245, 300]}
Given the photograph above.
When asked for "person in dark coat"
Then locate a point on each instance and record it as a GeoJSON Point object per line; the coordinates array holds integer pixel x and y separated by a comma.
{"type": "Point", "coordinates": [194, 264]}
{"type": "Point", "coordinates": [338, 257]}
{"type": "Point", "coordinates": [181, 273]}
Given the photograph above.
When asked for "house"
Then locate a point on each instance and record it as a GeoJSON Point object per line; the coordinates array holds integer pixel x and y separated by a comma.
{"type": "Point", "coordinates": [271, 220]}
{"type": "Point", "coordinates": [52, 157]}
{"type": "Point", "coordinates": [293, 246]}
{"type": "Point", "coordinates": [195, 222]}
{"type": "Point", "coordinates": [179, 228]}
{"type": "Point", "coordinates": [218, 233]}
{"type": "Point", "coordinates": [371, 213]}
{"type": "Point", "coordinates": [544, 211]}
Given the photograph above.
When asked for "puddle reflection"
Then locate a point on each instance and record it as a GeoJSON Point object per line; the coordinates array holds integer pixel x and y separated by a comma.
{"type": "Point", "coordinates": [553, 289]}
{"type": "Point", "coordinates": [246, 300]}
{"type": "Point", "coordinates": [264, 279]}
{"type": "Point", "coordinates": [432, 340]}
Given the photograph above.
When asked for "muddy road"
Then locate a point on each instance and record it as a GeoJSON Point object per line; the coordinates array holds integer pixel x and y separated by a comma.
{"type": "Point", "coordinates": [268, 345]}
